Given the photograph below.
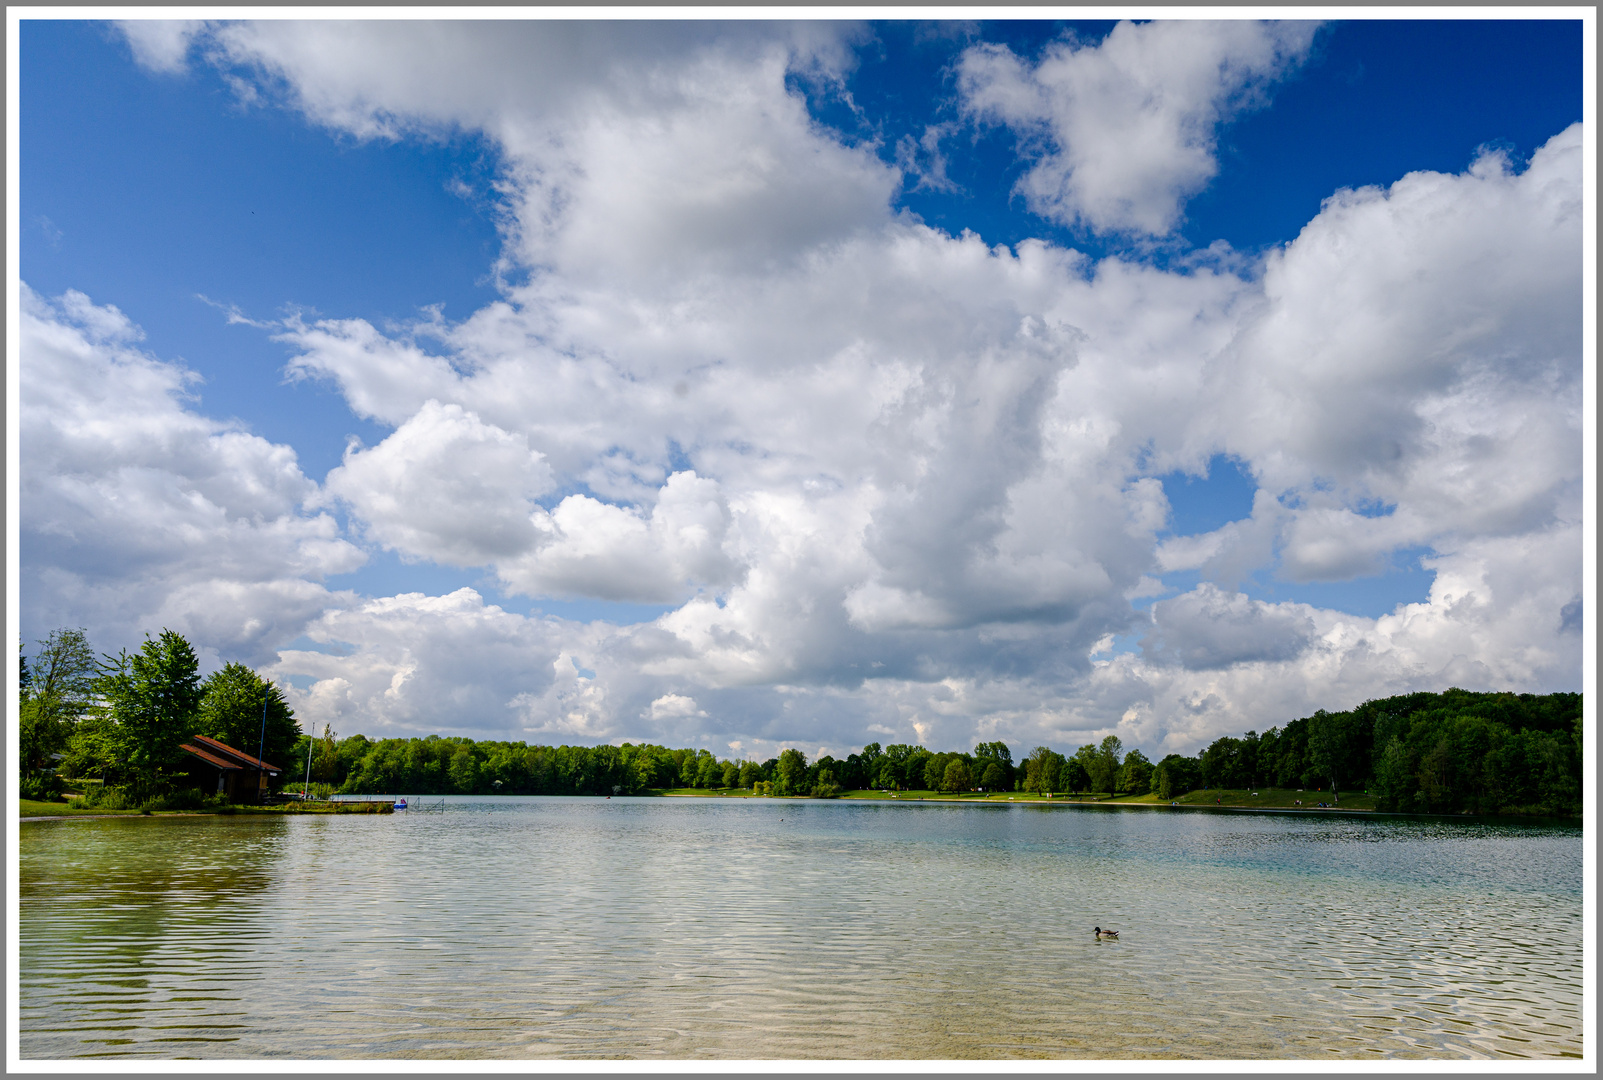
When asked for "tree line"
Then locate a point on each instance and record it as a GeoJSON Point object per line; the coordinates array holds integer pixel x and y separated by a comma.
{"type": "Point", "coordinates": [121, 718]}
{"type": "Point", "coordinates": [1458, 751]}
{"type": "Point", "coordinates": [1450, 752]}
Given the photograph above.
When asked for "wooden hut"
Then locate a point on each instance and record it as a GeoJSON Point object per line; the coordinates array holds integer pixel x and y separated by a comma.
{"type": "Point", "coordinates": [218, 767]}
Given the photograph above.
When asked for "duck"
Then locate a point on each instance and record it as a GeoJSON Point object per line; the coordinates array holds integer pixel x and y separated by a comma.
{"type": "Point", "coordinates": [1101, 933]}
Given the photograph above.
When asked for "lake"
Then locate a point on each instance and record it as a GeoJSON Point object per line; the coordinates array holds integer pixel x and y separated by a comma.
{"type": "Point", "coordinates": [724, 928]}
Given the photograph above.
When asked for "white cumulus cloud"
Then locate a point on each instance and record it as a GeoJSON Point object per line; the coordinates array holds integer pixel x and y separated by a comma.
{"type": "Point", "coordinates": [891, 479]}
{"type": "Point", "coordinates": [146, 513]}
{"type": "Point", "coordinates": [1125, 129]}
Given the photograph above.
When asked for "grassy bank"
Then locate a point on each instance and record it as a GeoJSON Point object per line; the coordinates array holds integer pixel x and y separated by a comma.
{"type": "Point", "coordinates": [35, 808]}
{"type": "Point", "coordinates": [1262, 799]}
{"type": "Point", "coordinates": [1265, 799]}
{"type": "Point", "coordinates": [38, 808]}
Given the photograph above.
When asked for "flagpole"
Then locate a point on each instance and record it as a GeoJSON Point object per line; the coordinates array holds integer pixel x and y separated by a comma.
{"type": "Point", "coordinates": [311, 741]}
{"type": "Point", "coordinates": [261, 745]}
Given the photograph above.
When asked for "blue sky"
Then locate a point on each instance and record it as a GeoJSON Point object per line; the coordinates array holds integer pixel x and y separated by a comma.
{"type": "Point", "coordinates": [255, 214]}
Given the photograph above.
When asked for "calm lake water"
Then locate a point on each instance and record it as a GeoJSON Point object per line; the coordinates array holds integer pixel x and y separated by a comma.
{"type": "Point", "coordinates": [679, 928]}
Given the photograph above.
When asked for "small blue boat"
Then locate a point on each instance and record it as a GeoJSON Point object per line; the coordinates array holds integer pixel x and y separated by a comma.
{"type": "Point", "coordinates": [400, 804]}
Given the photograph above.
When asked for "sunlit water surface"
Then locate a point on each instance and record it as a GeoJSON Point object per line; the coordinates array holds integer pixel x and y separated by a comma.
{"type": "Point", "coordinates": [678, 928]}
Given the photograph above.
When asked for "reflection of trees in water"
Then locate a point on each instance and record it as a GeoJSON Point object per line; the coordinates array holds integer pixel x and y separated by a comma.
{"type": "Point", "coordinates": [201, 858]}
{"type": "Point", "coordinates": [118, 914]}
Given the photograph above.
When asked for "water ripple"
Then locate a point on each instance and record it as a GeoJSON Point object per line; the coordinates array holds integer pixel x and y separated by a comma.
{"type": "Point", "coordinates": [647, 929]}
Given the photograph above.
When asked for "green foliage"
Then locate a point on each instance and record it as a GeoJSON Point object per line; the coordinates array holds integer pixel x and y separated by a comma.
{"type": "Point", "coordinates": [1086, 757]}
{"type": "Point", "coordinates": [1453, 752]}
{"type": "Point", "coordinates": [1043, 771]}
{"type": "Point", "coordinates": [93, 748]}
{"type": "Point", "coordinates": [993, 778]}
{"type": "Point", "coordinates": [988, 754]}
{"type": "Point", "coordinates": [1103, 766]}
{"type": "Point", "coordinates": [231, 712]}
{"type": "Point", "coordinates": [1174, 776]}
{"type": "Point", "coordinates": [957, 777]}
{"type": "Point", "coordinates": [106, 797]}
{"type": "Point", "coordinates": [1481, 754]}
{"type": "Point", "coordinates": [326, 764]}
{"type": "Point", "coordinates": [463, 771]}
{"type": "Point", "coordinates": [152, 697]}
{"type": "Point", "coordinates": [791, 773]}
{"type": "Point", "coordinates": [54, 692]}
{"type": "Point", "coordinates": [1135, 774]}
{"type": "Point", "coordinates": [45, 787]}
{"type": "Point", "coordinates": [188, 799]}
{"type": "Point", "coordinates": [1072, 775]}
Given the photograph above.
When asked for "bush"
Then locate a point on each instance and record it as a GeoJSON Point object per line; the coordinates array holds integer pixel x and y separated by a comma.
{"type": "Point", "coordinates": [189, 799]}
{"type": "Point", "coordinates": [316, 793]}
{"type": "Point", "coordinates": [365, 808]}
{"type": "Point", "coordinates": [45, 787]}
{"type": "Point", "coordinates": [102, 797]}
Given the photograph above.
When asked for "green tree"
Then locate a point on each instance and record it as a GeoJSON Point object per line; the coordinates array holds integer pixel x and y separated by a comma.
{"type": "Point", "coordinates": [1173, 776]}
{"type": "Point", "coordinates": [709, 773]}
{"type": "Point", "coordinates": [790, 773]}
{"type": "Point", "coordinates": [153, 697]}
{"type": "Point", "coordinates": [914, 769]}
{"type": "Point", "coordinates": [750, 773]}
{"type": "Point", "coordinates": [993, 778]}
{"type": "Point", "coordinates": [958, 777]}
{"type": "Point", "coordinates": [1085, 756]}
{"type": "Point", "coordinates": [1338, 745]}
{"type": "Point", "coordinates": [463, 771]}
{"type": "Point", "coordinates": [731, 774]}
{"type": "Point", "coordinates": [326, 758]}
{"type": "Point", "coordinates": [871, 758]}
{"type": "Point", "coordinates": [1104, 769]}
{"type": "Point", "coordinates": [95, 748]}
{"type": "Point", "coordinates": [231, 704]}
{"type": "Point", "coordinates": [825, 787]}
{"type": "Point", "coordinates": [1072, 775]}
{"type": "Point", "coordinates": [1041, 770]}
{"type": "Point", "coordinates": [55, 691]}
{"type": "Point", "coordinates": [987, 753]}
{"type": "Point", "coordinates": [1135, 775]}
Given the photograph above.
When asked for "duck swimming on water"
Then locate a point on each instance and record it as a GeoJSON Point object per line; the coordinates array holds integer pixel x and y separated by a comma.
{"type": "Point", "coordinates": [1101, 933]}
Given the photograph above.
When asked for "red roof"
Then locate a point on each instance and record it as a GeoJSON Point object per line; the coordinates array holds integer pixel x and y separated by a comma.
{"type": "Point", "coordinates": [210, 759]}
{"type": "Point", "coordinates": [223, 756]}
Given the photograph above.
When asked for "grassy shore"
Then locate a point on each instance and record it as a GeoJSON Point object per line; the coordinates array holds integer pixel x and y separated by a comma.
{"type": "Point", "coordinates": [31, 808]}
{"type": "Point", "coordinates": [37, 808]}
{"type": "Point", "coordinates": [1261, 799]}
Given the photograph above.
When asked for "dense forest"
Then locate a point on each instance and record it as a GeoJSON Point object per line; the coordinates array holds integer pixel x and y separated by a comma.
{"type": "Point", "coordinates": [120, 719]}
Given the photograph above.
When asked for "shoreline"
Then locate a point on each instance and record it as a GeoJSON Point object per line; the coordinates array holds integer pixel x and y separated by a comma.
{"type": "Point", "coordinates": [1102, 804]}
